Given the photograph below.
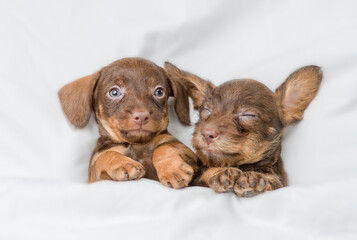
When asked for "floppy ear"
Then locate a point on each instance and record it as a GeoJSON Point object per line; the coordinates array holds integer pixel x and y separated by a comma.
{"type": "Point", "coordinates": [296, 93]}
{"type": "Point", "coordinates": [181, 104]}
{"type": "Point", "coordinates": [198, 89]}
{"type": "Point", "coordinates": [76, 99]}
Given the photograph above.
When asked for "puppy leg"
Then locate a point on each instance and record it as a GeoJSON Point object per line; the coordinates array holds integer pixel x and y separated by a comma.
{"type": "Point", "coordinates": [249, 184]}
{"type": "Point", "coordinates": [174, 164]}
{"type": "Point", "coordinates": [220, 179]}
{"type": "Point", "coordinates": [111, 165]}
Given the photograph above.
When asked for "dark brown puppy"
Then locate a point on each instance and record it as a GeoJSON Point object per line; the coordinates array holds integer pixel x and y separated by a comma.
{"type": "Point", "coordinates": [130, 100]}
{"type": "Point", "coordinates": [239, 133]}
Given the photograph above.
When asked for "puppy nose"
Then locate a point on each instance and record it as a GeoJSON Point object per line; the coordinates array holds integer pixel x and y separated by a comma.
{"type": "Point", "coordinates": [209, 135]}
{"type": "Point", "coordinates": [141, 117]}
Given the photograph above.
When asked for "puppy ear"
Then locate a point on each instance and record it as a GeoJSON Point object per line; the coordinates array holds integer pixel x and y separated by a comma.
{"type": "Point", "coordinates": [296, 93]}
{"type": "Point", "coordinates": [181, 103]}
{"type": "Point", "coordinates": [76, 99]}
{"type": "Point", "coordinates": [198, 89]}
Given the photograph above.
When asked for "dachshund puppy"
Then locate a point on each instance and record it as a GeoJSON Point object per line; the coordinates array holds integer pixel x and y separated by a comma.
{"type": "Point", "coordinates": [130, 101]}
{"type": "Point", "coordinates": [238, 136]}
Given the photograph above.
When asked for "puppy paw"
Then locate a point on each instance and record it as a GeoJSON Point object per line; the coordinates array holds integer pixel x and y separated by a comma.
{"type": "Point", "coordinates": [174, 174]}
{"type": "Point", "coordinates": [249, 184]}
{"type": "Point", "coordinates": [224, 179]}
{"type": "Point", "coordinates": [126, 171]}
{"type": "Point", "coordinates": [172, 169]}
{"type": "Point", "coordinates": [111, 165]}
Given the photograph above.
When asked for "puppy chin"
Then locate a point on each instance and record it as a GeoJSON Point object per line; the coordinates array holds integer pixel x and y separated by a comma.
{"type": "Point", "coordinates": [210, 150]}
{"type": "Point", "coordinates": [138, 136]}
{"type": "Point", "coordinates": [207, 153]}
{"type": "Point", "coordinates": [212, 156]}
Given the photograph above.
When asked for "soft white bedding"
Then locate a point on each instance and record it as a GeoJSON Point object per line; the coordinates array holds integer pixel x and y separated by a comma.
{"type": "Point", "coordinates": [43, 159]}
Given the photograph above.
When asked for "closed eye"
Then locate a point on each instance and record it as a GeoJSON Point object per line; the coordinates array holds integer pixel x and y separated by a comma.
{"type": "Point", "coordinates": [205, 113]}
{"type": "Point", "coordinates": [247, 120]}
{"type": "Point", "coordinates": [248, 115]}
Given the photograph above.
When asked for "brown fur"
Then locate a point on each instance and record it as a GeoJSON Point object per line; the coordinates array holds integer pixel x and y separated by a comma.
{"type": "Point", "coordinates": [113, 165]}
{"type": "Point", "coordinates": [238, 136]}
{"type": "Point", "coordinates": [78, 107]}
{"type": "Point", "coordinates": [133, 124]}
{"type": "Point", "coordinates": [172, 156]}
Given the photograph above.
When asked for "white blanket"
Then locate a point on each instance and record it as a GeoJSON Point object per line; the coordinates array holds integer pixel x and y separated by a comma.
{"type": "Point", "coordinates": [44, 160]}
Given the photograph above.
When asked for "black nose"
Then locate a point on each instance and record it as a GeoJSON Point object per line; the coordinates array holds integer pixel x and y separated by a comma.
{"type": "Point", "coordinates": [141, 117]}
{"type": "Point", "coordinates": [209, 135]}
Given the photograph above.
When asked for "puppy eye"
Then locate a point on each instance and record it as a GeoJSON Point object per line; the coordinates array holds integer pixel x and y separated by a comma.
{"type": "Point", "coordinates": [114, 92]}
{"type": "Point", "coordinates": [246, 118]}
{"type": "Point", "coordinates": [248, 115]}
{"type": "Point", "coordinates": [205, 113]}
{"type": "Point", "coordinates": [245, 115]}
{"type": "Point", "coordinates": [159, 92]}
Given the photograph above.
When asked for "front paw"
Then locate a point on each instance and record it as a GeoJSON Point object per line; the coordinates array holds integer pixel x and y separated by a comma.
{"type": "Point", "coordinates": [171, 164]}
{"type": "Point", "coordinates": [113, 166]}
{"type": "Point", "coordinates": [249, 184]}
{"type": "Point", "coordinates": [126, 171]}
{"type": "Point", "coordinates": [175, 174]}
{"type": "Point", "coordinates": [223, 180]}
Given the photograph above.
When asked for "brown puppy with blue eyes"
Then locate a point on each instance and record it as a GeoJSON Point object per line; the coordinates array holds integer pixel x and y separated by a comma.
{"type": "Point", "coordinates": [238, 136]}
{"type": "Point", "coordinates": [130, 100]}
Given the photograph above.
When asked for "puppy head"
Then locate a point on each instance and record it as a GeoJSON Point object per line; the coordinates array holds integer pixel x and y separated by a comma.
{"type": "Point", "coordinates": [129, 98]}
{"type": "Point", "coordinates": [241, 121]}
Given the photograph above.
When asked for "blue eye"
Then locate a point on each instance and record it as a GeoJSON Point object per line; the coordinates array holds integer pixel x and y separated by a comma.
{"type": "Point", "coordinates": [115, 92]}
{"type": "Point", "coordinates": [159, 92]}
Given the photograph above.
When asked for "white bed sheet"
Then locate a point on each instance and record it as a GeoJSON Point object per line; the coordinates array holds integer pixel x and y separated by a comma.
{"type": "Point", "coordinates": [43, 159]}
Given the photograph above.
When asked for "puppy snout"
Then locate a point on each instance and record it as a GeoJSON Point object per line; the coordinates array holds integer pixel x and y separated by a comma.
{"type": "Point", "coordinates": [141, 117]}
{"type": "Point", "coordinates": [209, 135]}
